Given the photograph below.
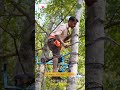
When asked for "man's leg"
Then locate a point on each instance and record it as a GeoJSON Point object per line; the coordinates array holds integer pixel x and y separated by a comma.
{"type": "Point", "coordinates": [56, 55]}
{"type": "Point", "coordinates": [55, 63]}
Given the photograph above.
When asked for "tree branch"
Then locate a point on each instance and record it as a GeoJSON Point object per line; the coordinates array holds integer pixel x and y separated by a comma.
{"type": "Point", "coordinates": [7, 31]}
{"type": "Point", "coordinates": [16, 48]}
{"type": "Point", "coordinates": [2, 56]}
{"type": "Point", "coordinates": [102, 38]}
{"type": "Point", "coordinates": [20, 10]}
{"type": "Point", "coordinates": [41, 27]}
{"type": "Point", "coordinates": [112, 24]}
{"type": "Point", "coordinates": [81, 87]}
{"type": "Point", "coordinates": [12, 15]}
{"type": "Point", "coordinates": [113, 15]}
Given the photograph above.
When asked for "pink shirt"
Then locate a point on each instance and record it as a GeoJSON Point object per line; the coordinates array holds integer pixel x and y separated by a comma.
{"type": "Point", "coordinates": [61, 30]}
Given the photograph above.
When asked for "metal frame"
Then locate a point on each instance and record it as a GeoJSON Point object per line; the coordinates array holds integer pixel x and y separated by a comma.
{"type": "Point", "coordinates": [62, 63]}
{"type": "Point", "coordinates": [6, 86]}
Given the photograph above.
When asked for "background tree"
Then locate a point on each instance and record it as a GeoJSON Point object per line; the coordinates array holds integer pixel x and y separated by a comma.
{"type": "Point", "coordinates": [94, 62]}
{"type": "Point", "coordinates": [17, 26]}
{"type": "Point", "coordinates": [75, 47]}
{"type": "Point", "coordinates": [112, 57]}
{"type": "Point", "coordinates": [1, 50]}
{"type": "Point", "coordinates": [40, 80]}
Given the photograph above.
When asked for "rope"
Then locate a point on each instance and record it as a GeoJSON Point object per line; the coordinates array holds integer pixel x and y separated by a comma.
{"type": "Point", "coordinates": [62, 19]}
{"type": "Point", "coordinates": [65, 16]}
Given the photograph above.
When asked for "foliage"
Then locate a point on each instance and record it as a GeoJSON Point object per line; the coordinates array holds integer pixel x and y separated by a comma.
{"type": "Point", "coordinates": [112, 56]}
{"type": "Point", "coordinates": [59, 9]}
{"type": "Point", "coordinates": [12, 25]}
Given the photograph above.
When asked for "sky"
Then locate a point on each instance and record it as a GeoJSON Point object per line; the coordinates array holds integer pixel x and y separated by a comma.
{"type": "Point", "coordinates": [41, 5]}
{"type": "Point", "coordinates": [38, 8]}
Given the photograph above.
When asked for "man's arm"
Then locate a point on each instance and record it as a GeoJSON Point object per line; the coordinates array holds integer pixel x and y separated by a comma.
{"type": "Point", "coordinates": [68, 37]}
{"type": "Point", "coordinates": [61, 41]}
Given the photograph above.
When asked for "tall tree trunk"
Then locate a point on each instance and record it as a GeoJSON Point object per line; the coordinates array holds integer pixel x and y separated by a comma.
{"type": "Point", "coordinates": [1, 60]}
{"type": "Point", "coordinates": [1, 12]}
{"type": "Point", "coordinates": [74, 48]}
{"type": "Point", "coordinates": [94, 59]}
{"type": "Point", "coordinates": [25, 63]}
{"type": "Point", "coordinates": [39, 82]}
{"type": "Point", "coordinates": [1, 46]}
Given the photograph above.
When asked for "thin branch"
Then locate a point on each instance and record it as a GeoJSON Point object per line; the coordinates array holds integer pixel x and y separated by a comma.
{"type": "Point", "coordinates": [74, 43]}
{"type": "Point", "coordinates": [36, 50]}
{"type": "Point", "coordinates": [17, 52]}
{"type": "Point", "coordinates": [112, 17]}
{"type": "Point", "coordinates": [64, 17]}
{"type": "Point", "coordinates": [81, 87]}
{"type": "Point", "coordinates": [2, 56]}
{"type": "Point", "coordinates": [102, 38]}
{"type": "Point", "coordinates": [41, 27]}
{"type": "Point", "coordinates": [20, 10]}
{"type": "Point", "coordinates": [112, 24]}
{"type": "Point", "coordinates": [6, 31]}
{"type": "Point", "coordinates": [12, 15]}
{"type": "Point", "coordinates": [81, 36]}
{"type": "Point", "coordinates": [77, 42]}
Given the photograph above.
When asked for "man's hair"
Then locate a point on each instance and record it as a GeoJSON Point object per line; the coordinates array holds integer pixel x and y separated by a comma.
{"type": "Point", "coordinates": [72, 19]}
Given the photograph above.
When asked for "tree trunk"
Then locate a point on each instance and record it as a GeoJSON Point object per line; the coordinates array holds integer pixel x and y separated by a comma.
{"type": "Point", "coordinates": [40, 80]}
{"type": "Point", "coordinates": [25, 64]}
{"type": "Point", "coordinates": [1, 45]}
{"type": "Point", "coordinates": [1, 12]}
{"type": "Point", "coordinates": [74, 48]}
{"type": "Point", "coordinates": [24, 68]}
{"type": "Point", "coordinates": [94, 59]}
{"type": "Point", "coordinates": [1, 52]}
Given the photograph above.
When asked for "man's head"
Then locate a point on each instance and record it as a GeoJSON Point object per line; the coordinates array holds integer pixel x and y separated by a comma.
{"type": "Point", "coordinates": [72, 22]}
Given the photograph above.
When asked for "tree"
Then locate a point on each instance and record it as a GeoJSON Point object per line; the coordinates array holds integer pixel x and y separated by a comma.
{"type": "Point", "coordinates": [17, 25]}
{"type": "Point", "coordinates": [1, 51]}
{"type": "Point", "coordinates": [1, 7]}
{"type": "Point", "coordinates": [95, 52]}
{"type": "Point", "coordinates": [74, 48]}
{"type": "Point", "coordinates": [45, 54]}
{"type": "Point", "coordinates": [12, 26]}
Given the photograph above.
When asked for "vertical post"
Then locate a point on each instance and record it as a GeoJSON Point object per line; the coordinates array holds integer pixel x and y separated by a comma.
{"type": "Point", "coordinates": [5, 75]}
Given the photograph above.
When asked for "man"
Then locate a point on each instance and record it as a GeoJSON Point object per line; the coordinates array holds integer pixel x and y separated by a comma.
{"type": "Point", "coordinates": [57, 39]}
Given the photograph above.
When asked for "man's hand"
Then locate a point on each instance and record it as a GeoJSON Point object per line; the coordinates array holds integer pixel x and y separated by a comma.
{"type": "Point", "coordinates": [65, 45]}
{"type": "Point", "coordinates": [62, 42]}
